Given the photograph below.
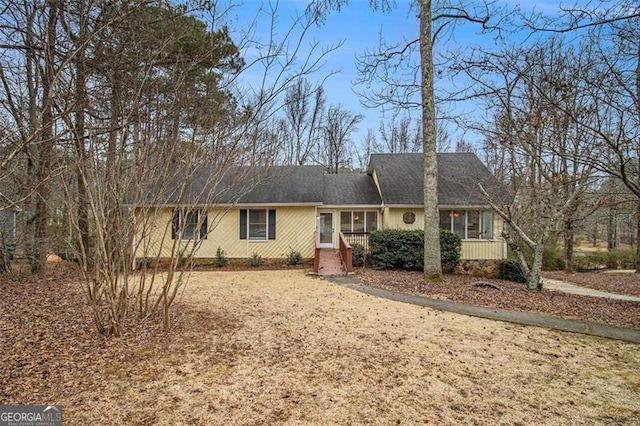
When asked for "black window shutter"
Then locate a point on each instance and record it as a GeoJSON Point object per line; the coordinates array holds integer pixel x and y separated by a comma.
{"type": "Point", "coordinates": [272, 224]}
{"type": "Point", "coordinates": [203, 226]}
{"type": "Point", "coordinates": [243, 224]}
{"type": "Point", "coordinates": [175, 224]}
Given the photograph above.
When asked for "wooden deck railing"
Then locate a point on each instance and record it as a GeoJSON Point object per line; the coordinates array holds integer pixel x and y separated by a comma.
{"type": "Point", "coordinates": [316, 257]}
{"type": "Point", "coordinates": [361, 238]}
{"type": "Point", "coordinates": [346, 253]}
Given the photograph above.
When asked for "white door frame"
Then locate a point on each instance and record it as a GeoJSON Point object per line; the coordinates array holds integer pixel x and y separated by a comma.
{"type": "Point", "coordinates": [331, 244]}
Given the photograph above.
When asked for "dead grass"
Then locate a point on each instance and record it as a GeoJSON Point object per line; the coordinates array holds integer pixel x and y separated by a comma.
{"type": "Point", "coordinates": [259, 347]}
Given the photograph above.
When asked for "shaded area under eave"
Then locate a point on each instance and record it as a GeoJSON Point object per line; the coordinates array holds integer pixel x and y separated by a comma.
{"type": "Point", "coordinates": [517, 317]}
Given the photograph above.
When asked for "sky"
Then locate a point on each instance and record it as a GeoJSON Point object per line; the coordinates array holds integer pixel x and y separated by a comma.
{"type": "Point", "coordinates": [358, 28]}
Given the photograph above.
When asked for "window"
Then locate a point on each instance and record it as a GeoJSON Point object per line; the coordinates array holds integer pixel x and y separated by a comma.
{"type": "Point", "coordinates": [358, 221]}
{"type": "Point", "coordinates": [468, 224]}
{"type": "Point", "coordinates": [487, 225]}
{"type": "Point", "coordinates": [189, 224]}
{"type": "Point", "coordinates": [257, 224]}
{"type": "Point", "coordinates": [409, 218]}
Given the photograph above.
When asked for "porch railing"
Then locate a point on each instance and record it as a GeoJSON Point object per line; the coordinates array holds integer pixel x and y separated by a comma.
{"type": "Point", "coordinates": [346, 253]}
{"type": "Point", "coordinates": [316, 257]}
{"type": "Point", "coordinates": [361, 238]}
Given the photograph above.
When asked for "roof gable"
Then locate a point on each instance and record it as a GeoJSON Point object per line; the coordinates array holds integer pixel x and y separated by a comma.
{"type": "Point", "coordinates": [400, 177]}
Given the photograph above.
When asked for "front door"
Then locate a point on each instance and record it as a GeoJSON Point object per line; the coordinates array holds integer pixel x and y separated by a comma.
{"type": "Point", "coordinates": [325, 230]}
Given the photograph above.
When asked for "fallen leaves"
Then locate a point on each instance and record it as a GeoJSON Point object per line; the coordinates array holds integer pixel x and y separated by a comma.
{"type": "Point", "coordinates": [513, 296]}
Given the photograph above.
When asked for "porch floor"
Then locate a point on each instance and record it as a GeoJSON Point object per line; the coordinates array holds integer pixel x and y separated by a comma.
{"type": "Point", "coordinates": [330, 263]}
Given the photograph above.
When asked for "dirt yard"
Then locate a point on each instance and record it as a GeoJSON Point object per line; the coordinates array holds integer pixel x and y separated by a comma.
{"type": "Point", "coordinates": [260, 347]}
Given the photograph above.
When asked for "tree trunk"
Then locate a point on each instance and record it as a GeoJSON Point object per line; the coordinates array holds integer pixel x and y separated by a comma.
{"type": "Point", "coordinates": [432, 261]}
{"type": "Point", "coordinates": [611, 229]}
{"type": "Point", "coordinates": [533, 277]}
{"type": "Point", "coordinates": [47, 145]}
{"type": "Point", "coordinates": [83, 249]}
{"type": "Point", "coordinates": [637, 237]}
{"type": "Point", "coordinates": [568, 244]}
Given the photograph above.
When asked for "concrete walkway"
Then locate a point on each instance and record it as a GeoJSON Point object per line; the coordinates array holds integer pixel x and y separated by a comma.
{"type": "Point", "coordinates": [517, 317]}
{"type": "Point", "coordinates": [566, 287]}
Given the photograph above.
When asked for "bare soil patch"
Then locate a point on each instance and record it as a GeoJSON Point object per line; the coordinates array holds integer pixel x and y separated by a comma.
{"type": "Point", "coordinates": [508, 295]}
{"type": "Point", "coordinates": [261, 347]}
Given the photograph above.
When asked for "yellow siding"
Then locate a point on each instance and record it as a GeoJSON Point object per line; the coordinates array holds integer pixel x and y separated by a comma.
{"type": "Point", "coordinates": [393, 219]}
{"type": "Point", "coordinates": [471, 249]}
{"type": "Point", "coordinates": [485, 249]}
{"type": "Point", "coordinates": [153, 233]}
{"type": "Point", "coordinates": [295, 229]}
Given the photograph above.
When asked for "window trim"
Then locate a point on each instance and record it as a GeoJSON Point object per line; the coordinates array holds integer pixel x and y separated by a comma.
{"type": "Point", "coordinates": [366, 214]}
{"type": "Point", "coordinates": [178, 225]}
{"type": "Point", "coordinates": [481, 224]}
{"type": "Point", "coordinates": [407, 215]}
{"type": "Point", "coordinates": [270, 225]}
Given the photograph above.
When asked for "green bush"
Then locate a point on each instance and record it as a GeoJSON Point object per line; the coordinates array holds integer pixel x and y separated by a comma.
{"type": "Point", "coordinates": [552, 259]}
{"type": "Point", "coordinates": [510, 269]}
{"type": "Point", "coordinates": [359, 254]}
{"type": "Point", "coordinates": [402, 249]}
{"type": "Point", "coordinates": [582, 264]}
{"type": "Point", "coordinates": [623, 258]}
{"type": "Point", "coordinates": [255, 260]}
{"type": "Point", "coordinates": [221, 257]}
{"type": "Point", "coordinates": [611, 259]}
{"type": "Point", "coordinates": [450, 249]}
{"type": "Point", "coordinates": [396, 249]}
{"type": "Point", "coordinates": [294, 257]}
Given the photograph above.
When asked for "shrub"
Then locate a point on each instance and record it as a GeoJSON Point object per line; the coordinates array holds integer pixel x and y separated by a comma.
{"type": "Point", "coordinates": [255, 260]}
{"type": "Point", "coordinates": [402, 249]}
{"type": "Point", "coordinates": [622, 259]}
{"type": "Point", "coordinates": [359, 254]}
{"type": "Point", "coordinates": [511, 270]}
{"type": "Point", "coordinates": [294, 257]}
{"type": "Point", "coordinates": [450, 249]}
{"type": "Point", "coordinates": [221, 257]}
{"type": "Point", "coordinates": [581, 264]}
{"type": "Point", "coordinates": [611, 259]}
{"type": "Point", "coordinates": [552, 259]}
{"type": "Point", "coordinates": [393, 248]}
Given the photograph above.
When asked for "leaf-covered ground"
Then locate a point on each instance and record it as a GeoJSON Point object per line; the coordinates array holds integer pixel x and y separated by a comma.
{"type": "Point", "coordinates": [281, 347]}
{"type": "Point", "coordinates": [621, 282]}
{"type": "Point", "coordinates": [509, 295]}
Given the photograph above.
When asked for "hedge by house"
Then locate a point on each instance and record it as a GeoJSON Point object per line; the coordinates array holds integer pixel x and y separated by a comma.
{"type": "Point", "coordinates": [404, 249]}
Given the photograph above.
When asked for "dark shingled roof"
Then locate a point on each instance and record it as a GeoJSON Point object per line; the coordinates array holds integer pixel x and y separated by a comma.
{"type": "Point", "coordinates": [401, 176]}
{"type": "Point", "coordinates": [244, 185]}
{"type": "Point", "coordinates": [350, 189]}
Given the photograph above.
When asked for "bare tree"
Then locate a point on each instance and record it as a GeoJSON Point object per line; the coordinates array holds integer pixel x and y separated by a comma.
{"type": "Point", "coordinates": [612, 32]}
{"type": "Point", "coordinates": [399, 136]}
{"type": "Point", "coordinates": [338, 127]}
{"type": "Point", "coordinates": [126, 109]}
{"type": "Point", "coordinates": [533, 123]}
{"type": "Point", "coordinates": [304, 112]}
{"type": "Point", "coordinates": [407, 68]}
